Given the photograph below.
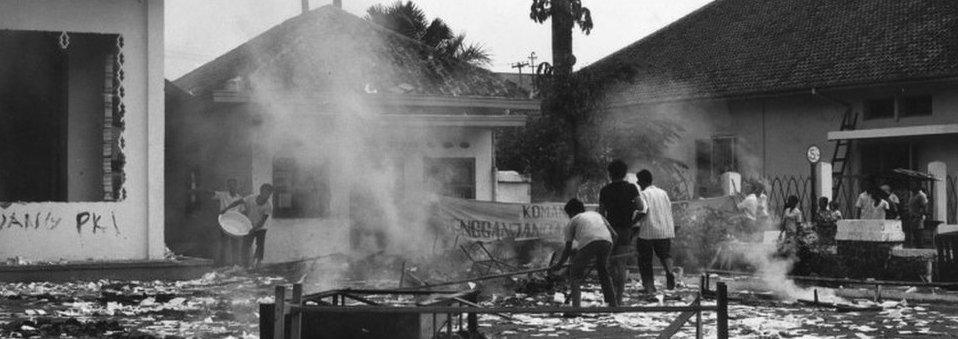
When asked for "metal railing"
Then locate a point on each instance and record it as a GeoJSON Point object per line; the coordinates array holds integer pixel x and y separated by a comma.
{"type": "Point", "coordinates": [288, 313]}
{"type": "Point", "coordinates": [952, 192]}
{"type": "Point", "coordinates": [780, 188]}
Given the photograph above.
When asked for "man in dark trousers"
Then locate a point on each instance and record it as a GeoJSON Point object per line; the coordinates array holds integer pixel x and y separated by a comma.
{"type": "Point", "coordinates": [618, 203]}
{"type": "Point", "coordinates": [655, 232]}
{"type": "Point", "coordinates": [590, 236]}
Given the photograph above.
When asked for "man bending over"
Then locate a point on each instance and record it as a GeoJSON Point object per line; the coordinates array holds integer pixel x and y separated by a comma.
{"type": "Point", "coordinates": [591, 237]}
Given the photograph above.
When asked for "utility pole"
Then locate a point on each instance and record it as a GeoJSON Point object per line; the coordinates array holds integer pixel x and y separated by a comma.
{"type": "Point", "coordinates": [562, 24]}
{"type": "Point", "coordinates": [519, 66]}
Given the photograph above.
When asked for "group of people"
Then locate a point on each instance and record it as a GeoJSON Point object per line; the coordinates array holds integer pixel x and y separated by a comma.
{"type": "Point", "coordinates": [879, 202]}
{"type": "Point", "coordinates": [630, 216]}
{"type": "Point", "coordinates": [235, 250]}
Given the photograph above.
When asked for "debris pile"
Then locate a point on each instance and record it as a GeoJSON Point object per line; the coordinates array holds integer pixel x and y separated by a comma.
{"type": "Point", "coordinates": [221, 304]}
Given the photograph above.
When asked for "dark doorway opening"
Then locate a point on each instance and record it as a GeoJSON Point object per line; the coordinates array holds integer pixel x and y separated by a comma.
{"type": "Point", "coordinates": [61, 101]}
{"type": "Point", "coordinates": [33, 107]}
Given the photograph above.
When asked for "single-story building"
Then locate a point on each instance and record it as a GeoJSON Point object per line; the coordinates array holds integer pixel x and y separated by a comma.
{"type": "Point", "coordinates": [322, 106]}
{"type": "Point", "coordinates": [754, 84]}
{"type": "Point", "coordinates": [81, 96]}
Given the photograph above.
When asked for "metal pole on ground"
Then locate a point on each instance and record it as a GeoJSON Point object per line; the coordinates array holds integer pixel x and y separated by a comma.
{"type": "Point", "coordinates": [722, 303]}
{"type": "Point", "coordinates": [698, 317]}
{"type": "Point", "coordinates": [279, 312]}
{"type": "Point", "coordinates": [296, 321]}
{"type": "Point", "coordinates": [472, 318]}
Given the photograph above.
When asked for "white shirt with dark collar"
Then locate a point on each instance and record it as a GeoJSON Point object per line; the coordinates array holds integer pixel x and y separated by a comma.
{"type": "Point", "coordinates": [658, 222]}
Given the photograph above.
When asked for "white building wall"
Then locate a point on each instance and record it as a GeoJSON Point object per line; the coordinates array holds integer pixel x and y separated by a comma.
{"type": "Point", "coordinates": [295, 239]}
{"type": "Point", "coordinates": [133, 228]}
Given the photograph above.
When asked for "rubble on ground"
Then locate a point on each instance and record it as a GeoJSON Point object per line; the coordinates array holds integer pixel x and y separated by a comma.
{"type": "Point", "coordinates": [220, 304]}
{"type": "Point", "coordinates": [225, 304]}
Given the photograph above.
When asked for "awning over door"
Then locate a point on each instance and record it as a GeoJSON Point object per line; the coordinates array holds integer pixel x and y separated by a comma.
{"type": "Point", "coordinates": [894, 132]}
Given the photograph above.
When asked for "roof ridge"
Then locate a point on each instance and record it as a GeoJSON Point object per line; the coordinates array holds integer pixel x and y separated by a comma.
{"type": "Point", "coordinates": [241, 47]}
{"type": "Point", "coordinates": [644, 39]}
{"type": "Point", "coordinates": [735, 47]}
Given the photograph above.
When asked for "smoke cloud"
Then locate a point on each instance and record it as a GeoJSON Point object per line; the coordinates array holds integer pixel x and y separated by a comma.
{"type": "Point", "coordinates": [318, 109]}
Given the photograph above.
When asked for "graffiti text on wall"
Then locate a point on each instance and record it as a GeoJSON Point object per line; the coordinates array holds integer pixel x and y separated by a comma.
{"type": "Point", "coordinates": [92, 222]}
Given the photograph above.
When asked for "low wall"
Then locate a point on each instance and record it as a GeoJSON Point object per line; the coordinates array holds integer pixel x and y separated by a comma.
{"type": "Point", "coordinates": [290, 240]}
{"type": "Point", "coordinates": [870, 230]}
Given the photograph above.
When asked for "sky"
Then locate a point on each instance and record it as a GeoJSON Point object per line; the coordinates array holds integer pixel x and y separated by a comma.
{"type": "Point", "coordinates": [198, 31]}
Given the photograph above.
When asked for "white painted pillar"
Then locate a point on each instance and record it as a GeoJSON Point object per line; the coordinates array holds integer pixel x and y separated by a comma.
{"type": "Point", "coordinates": [939, 204]}
{"type": "Point", "coordinates": [823, 181]}
{"type": "Point", "coordinates": [155, 189]}
{"type": "Point", "coordinates": [731, 183]}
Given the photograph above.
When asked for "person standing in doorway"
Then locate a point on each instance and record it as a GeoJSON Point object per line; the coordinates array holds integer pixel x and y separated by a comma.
{"type": "Point", "coordinates": [870, 193]}
{"type": "Point", "coordinates": [655, 232]}
{"type": "Point", "coordinates": [258, 209]}
{"type": "Point", "coordinates": [894, 204]}
{"type": "Point", "coordinates": [917, 212]}
{"type": "Point", "coordinates": [873, 206]}
{"type": "Point", "coordinates": [618, 203]}
{"type": "Point", "coordinates": [227, 245]}
{"type": "Point", "coordinates": [590, 236]}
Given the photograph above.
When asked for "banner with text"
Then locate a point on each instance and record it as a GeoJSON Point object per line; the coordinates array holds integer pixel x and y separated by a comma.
{"type": "Point", "coordinates": [484, 220]}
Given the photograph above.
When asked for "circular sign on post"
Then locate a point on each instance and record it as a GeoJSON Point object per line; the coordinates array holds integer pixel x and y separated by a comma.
{"type": "Point", "coordinates": [814, 154]}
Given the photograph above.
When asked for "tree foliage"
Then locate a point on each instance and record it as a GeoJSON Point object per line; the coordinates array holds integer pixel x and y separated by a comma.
{"type": "Point", "coordinates": [410, 20]}
{"type": "Point", "coordinates": [566, 148]}
{"type": "Point", "coordinates": [542, 10]}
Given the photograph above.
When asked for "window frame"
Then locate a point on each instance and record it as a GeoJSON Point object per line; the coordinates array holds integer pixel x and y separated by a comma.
{"type": "Point", "coordinates": [294, 187]}
{"type": "Point", "coordinates": [904, 112]}
{"type": "Point", "coordinates": [472, 186]}
{"type": "Point", "coordinates": [868, 110]}
{"type": "Point", "coordinates": [705, 156]}
{"type": "Point", "coordinates": [899, 110]}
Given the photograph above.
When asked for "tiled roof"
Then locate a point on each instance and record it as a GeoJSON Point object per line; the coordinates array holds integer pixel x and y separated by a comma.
{"type": "Point", "coordinates": [750, 47]}
{"type": "Point", "coordinates": [328, 48]}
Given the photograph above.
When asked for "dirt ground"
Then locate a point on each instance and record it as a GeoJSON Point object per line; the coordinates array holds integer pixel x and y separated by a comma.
{"type": "Point", "coordinates": [224, 304]}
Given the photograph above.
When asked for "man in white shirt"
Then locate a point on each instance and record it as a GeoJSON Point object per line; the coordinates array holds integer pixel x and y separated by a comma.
{"type": "Point", "coordinates": [591, 237]}
{"type": "Point", "coordinates": [258, 209]}
{"type": "Point", "coordinates": [655, 232]}
{"type": "Point", "coordinates": [227, 248]}
{"type": "Point", "coordinates": [755, 208]}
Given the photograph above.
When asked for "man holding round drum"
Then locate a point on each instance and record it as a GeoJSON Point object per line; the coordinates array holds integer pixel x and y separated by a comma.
{"type": "Point", "coordinates": [258, 209]}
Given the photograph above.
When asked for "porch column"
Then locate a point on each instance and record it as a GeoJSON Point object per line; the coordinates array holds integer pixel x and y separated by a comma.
{"type": "Point", "coordinates": [731, 183]}
{"type": "Point", "coordinates": [823, 181]}
{"type": "Point", "coordinates": [939, 202]}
